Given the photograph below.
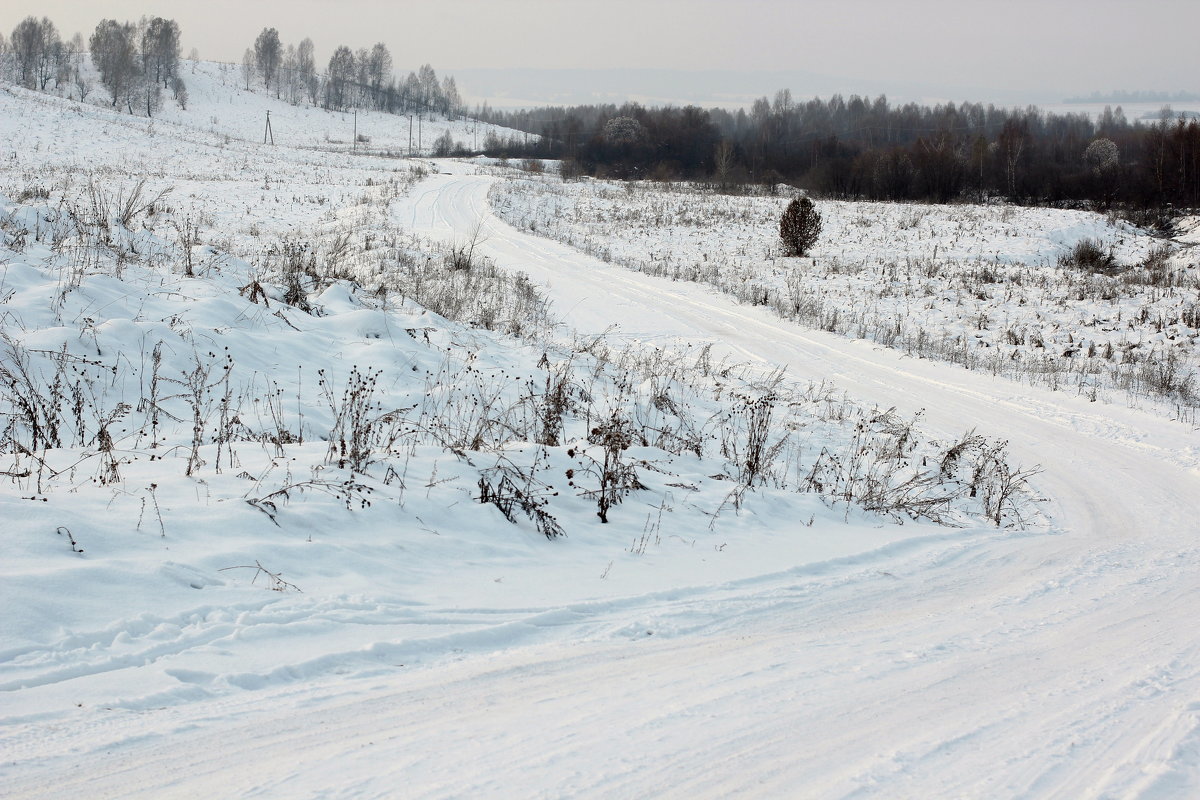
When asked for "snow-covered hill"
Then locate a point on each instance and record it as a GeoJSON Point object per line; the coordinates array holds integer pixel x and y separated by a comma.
{"type": "Point", "coordinates": [218, 102]}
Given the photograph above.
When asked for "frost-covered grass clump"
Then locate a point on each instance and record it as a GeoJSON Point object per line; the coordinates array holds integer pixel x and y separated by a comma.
{"type": "Point", "coordinates": [995, 288]}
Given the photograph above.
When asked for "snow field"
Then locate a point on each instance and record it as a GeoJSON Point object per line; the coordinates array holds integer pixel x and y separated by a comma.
{"type": "Point", "coordinates": [708, 641]}
{"type": "Point", "coordinates": [212, 490]}
{"type": "Point", "coordinates": [979, 286]}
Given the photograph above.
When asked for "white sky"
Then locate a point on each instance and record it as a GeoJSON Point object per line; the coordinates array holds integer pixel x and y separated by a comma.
{"type": "Point", "coordinates": [1054, 46]}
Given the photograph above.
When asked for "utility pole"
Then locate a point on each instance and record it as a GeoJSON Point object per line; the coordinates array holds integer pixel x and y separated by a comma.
{"type": "Point", "coordinates": [410, 135]}
{"type": "Point", "coordinates": [355, 145]}
{"type": "Point", "coordinates": [268, 132]}
{"type": "Point", "coordinates": [418, 134]}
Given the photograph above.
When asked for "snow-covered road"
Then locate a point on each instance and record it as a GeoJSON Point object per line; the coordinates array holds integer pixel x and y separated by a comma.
{"type": "Point", "coordinates": [995, 664]}
{"type": "Point", "coordinates": [1066, 661]}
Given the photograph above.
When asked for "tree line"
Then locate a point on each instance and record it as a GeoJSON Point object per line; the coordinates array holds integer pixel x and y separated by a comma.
{"type": "Point", "coordinates": [137, 61]}
{"type": "Point", "coordinates": [863, 148]}
{"type": "Point", "coordinates": [353, 79]}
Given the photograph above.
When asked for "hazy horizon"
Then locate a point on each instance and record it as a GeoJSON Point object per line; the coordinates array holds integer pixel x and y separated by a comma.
{"type": "Point", "coordinates": [932, 50]}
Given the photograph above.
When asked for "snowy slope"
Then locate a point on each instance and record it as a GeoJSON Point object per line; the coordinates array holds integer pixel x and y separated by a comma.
{"type": "Point", "coordinates": [219, 103]}
{"type": "Point", "coordinates": [424, 646]}
{"type": "Point", "coordinates": [100, 311]}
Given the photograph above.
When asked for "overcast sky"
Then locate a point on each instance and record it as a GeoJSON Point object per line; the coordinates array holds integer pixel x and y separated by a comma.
{"type": "Point", "coordinates": [1046, 48]}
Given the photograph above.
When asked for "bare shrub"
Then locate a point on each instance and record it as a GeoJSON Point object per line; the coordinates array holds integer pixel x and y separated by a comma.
{"type": "Point", "coordinates": [511, 488]}
{"type": "Point", "coordinates": [297, 262]}
{"type": "Point", "coordinates": [109, 461]}
{"type": "Point", "coordinates": [197, 384]}
{"type": "Point", "coordinates": [1088, 254]}
{"type": "Point", "coordinates": [616, 477]}
{"type": "Point", "coordinates": [554, 402]}
{"type": "Point", "coordinates": [359, 423]}
{"type": "Point", "coordinates": [879, 469]}
{"type": "Point", "coordinates": [189, 238]}
{"type": "Point", "coordinates": [746, 436]}
{"type": "Point", "coordinates": [352, 493]}
{"type": "Point", "coordinates": [460, 255]}
{"type": "Point", "coordinates": [275, 581]}
{"type": "Point", "coordinates": [32, 401]}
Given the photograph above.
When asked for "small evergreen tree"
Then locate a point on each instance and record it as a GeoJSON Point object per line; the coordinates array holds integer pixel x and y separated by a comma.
{"type": "Point", "coordinates": [799, 227]}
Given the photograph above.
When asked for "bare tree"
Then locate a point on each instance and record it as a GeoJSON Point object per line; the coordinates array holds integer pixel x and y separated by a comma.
{"type": "Point", "coordinates": [289, 76]}
{"type": "Point", "coordinates": [160, 49]}
{"type": "Point", "coordinates": [723, 163]}
{"type": "Point", "coordinates": [410, 94]}
{"type": "Point", "coordinates": [1104, 157]}
{"type": "Point", "coordinates": [361, 94]}
{"type": "Point", "coordinates": [268, 52]}
{"type": "Point", "coordinates": [76, 49]}
{"type": "Point", "coordinates": [1011, 142]}
{"type": "Point", "coordinates": [179, 90]}
{"type": "Point", "coordinates": [307, 66]}
{"type": "Point", "coordinates": [158, 39]}
{"type": "Point", "coordinates": [149, 93]}
{"type": "Point", "coordinates": [60, 62]}
{"type": "Point", "coordinates": [341, 77]}
{"type": "Point", "coordinates": [444, 144]}
{"type": "Point", "coordinates": [430, 90]}
{"type": "Point", "coordinates": [51, 54]}
{"type": "Point", "coordinates": [1102, 154]}
{"type": "Point", "coordinates": [379, 69]}
{"type": "Point", "coordinates": [115, 56]}
{"type": "Point", "coordinates": [452, 101]}
{"type": "Point", "coordinates": [83, 84]}
{"type": "Point", "coordinates": [248, 68]}
{"type": "Point", "coordinates": [28, 40]}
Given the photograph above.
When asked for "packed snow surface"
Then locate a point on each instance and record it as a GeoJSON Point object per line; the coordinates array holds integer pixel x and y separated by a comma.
{"type": "Point", "coordinates": [704, 643]}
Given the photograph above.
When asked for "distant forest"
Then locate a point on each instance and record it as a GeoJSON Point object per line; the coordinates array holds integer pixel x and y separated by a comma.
{"type": "Point", "coordinates": [862, 148]}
